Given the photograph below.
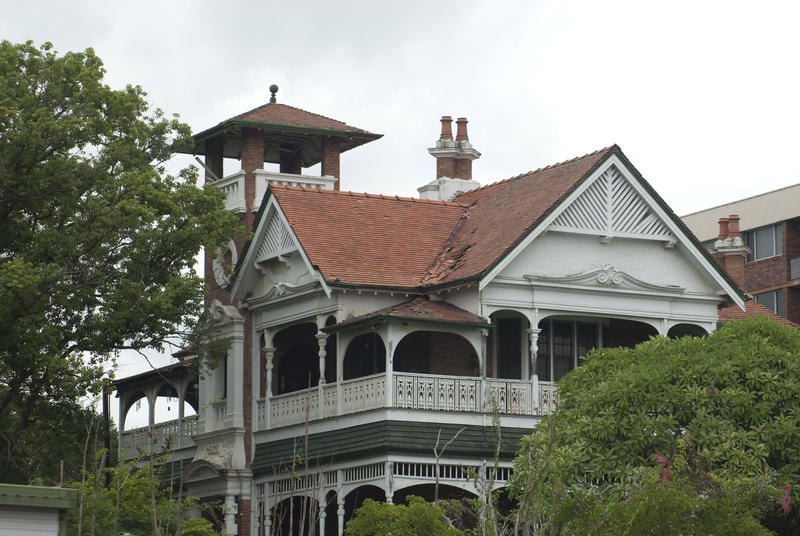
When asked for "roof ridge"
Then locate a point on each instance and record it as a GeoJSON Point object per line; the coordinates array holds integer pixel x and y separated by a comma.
{"type": "Point", "coordinates": [368, 195]}
{"type": "Point", "coordinates": [539, 170]}
{"type": "Point", "coordinates": [268, 104]}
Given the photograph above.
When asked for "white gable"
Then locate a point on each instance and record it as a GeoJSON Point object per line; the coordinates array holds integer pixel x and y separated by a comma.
{"type": "Point", "coordinates": [610, 206]}
{"type": "Point", "coordinates": [277, 240]}
{"type": "Point", "coordinates": [275, 263]}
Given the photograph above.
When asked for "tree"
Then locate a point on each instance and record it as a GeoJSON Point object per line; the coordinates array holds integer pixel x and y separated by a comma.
{"type": "Point", "coordinates": [125, 506]}
{"type": "Point", "coordinates": [374, 518]}
{"type": "Point", "coordinates": [97, 241]}
{"type": "Point", "coordinates": [735, 395]}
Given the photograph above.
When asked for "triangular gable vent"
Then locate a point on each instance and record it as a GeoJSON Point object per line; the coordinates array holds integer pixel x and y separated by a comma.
{"type": "Point", "coordinates": [277, 241]}
{"type": "Point", "coordinates": [611, 207]}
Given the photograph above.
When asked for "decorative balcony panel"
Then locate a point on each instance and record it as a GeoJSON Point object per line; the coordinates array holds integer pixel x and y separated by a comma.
{"type": "Point", "coordinates": [441, 393]}
{"type": "Point", "coordinates": [363, 394]}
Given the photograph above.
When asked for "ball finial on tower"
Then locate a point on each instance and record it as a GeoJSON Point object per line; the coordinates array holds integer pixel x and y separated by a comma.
{"type": "Point", "coordinates": [273, 89]}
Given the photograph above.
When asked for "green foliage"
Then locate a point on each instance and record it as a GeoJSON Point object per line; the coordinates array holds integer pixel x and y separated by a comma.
{"type": "Point", "coordinates": [125, 506]}
{"type": "Point", "coordinates": [97, 241]}
{"type": "Point", "coordinates": [418, 517]}
{"type": "Point", "coordinates": [735, 394]}
{"type": "Point", "coordinates": [679, 498]}
{"type": "Point", "coordinates": [60, 434]}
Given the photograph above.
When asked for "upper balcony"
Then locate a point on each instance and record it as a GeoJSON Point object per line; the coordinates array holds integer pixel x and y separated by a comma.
{"type": "Point", "coordinates": [234, 186]}
{"type": "Point", "coordinates": [429, 392]}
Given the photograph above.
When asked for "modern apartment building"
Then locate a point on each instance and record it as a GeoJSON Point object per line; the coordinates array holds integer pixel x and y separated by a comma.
{"type": "Point", "coordinates": [769, 225]}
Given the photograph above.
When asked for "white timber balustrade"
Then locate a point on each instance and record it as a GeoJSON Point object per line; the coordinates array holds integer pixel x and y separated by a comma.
{"type": "Point", "coordinates": [233, 185]}
{"type": "Point", "coordinates": [548, 398]}
{"type": "Point", "coordinates": [161, 437]}
{"type": "Point", "coordinates": [409, 391]}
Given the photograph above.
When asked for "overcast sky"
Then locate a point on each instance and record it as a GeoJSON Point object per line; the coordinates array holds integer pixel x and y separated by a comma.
{"type": "Point", "coordinates": [703, 97]}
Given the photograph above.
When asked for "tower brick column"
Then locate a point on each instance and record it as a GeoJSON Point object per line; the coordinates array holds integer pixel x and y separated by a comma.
{"type": "Point", "coordinates": [214, 158]}
{"type": "Point", "coordinates": [252, 159]}
{"type": "Point", "coordinates": [330, 157]}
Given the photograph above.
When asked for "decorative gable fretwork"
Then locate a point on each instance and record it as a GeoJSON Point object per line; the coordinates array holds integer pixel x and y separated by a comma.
{"type": "Point", "coordinates": [611, 207]}
{"type": "Point", "coordinates": [277, 241]}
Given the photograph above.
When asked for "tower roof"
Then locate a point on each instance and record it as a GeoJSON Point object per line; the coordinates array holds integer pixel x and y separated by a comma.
{"type": "Point", "coordinates": [286, 129]}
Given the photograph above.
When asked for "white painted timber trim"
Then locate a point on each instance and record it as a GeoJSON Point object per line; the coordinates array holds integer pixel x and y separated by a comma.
{"type": "Point", "coordinates": [273, 210]}
{"type": "Point", "coordinates": [683, 239]}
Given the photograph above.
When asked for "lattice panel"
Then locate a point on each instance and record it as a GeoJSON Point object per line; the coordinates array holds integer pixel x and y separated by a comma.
{"type": "Point", "coordinates": [277, 240]}
{"type": "Point", "coordinates": [610, 206]}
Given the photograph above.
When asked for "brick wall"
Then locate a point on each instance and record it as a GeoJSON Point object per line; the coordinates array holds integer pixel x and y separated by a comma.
{"type": "Point", "coordinates": [463, 168]}
{"type": "Point", "coordinates": [445, 167]}
{"type": "Point", "coordinates": [765, 273]}
{"type": "Point", "coordinates": [792, 304]}
{"type": "Point", "coordinates": [436, 353]}
{"type": "Point", "coordinates": [214, 158]}
{"type": "Point", "coordinates": [330, 157]}
{"type": "Point", "coordinates": [791, 238]}
{"type": "Point", "coordinates": [252, 158]}
{"type": "Point", "coordinates": [243, 518]}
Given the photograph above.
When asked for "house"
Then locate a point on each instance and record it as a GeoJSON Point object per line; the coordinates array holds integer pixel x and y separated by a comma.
{"type": "Point", "coordinates": [367, 331]}
{"type": "Point", "coordinates": [768, 226]}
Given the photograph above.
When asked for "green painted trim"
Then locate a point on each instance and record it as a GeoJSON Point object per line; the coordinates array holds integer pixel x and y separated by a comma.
{"type": "Point", "coordinates": [387, 438]}
{"type": "Point", "coordinates": [38, 496]}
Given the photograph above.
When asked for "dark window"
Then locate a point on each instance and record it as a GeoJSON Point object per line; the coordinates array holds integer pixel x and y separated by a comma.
{"type": "Point", "coordinates": [771, 300]}
{"type": "Point", "coordinates": [509, 348]}
{"type": "Point", "coordinates": [561, 344]}
{"type": "Point", "coordinates": [764, 242]}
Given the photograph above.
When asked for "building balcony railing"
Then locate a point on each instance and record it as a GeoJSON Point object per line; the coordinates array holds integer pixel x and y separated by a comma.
{"type": "Point", "coordinates": [161, 437]}
{"type": "Point", "coordinates": [233, 185]}
{"type": "Point", "coordinates": [409, 391]}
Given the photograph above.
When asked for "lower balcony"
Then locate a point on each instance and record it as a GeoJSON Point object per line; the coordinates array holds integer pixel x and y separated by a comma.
{"type": "Point", "coordinates": [161, 437]}
{"type": "Point", "coordinates": [408, 391]}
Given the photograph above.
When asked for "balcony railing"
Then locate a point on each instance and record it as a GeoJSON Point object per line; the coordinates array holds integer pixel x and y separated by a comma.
{"type": "Point", "coordinates": [233, 185]}
{"type": "Point", "coordinates": [409, 391]}
{"type": "Point", "coordinates": [161, 437]}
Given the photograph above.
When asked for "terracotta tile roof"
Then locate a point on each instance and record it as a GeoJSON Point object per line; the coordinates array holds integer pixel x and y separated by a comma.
{"type": "Point", "coordinates": [752, 308]}
{"type": "Point", "coordinates": [364, 239]}
{"type": "Point", "coordinates": [282, 114]}
{"type": "Point", "coordinates": [420, 309]}
{"type": "Point", "coordinates": [501, 214]}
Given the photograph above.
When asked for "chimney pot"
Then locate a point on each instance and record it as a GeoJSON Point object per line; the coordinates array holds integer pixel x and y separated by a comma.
{"type": "Point", "coordinates": [447, 128]}
{"type": "Point", "coordinates": [461, 130]}
{"type": "Point", "coordinates": [723, 228]}
{"type": "Point", "coordinates": [733, 226]}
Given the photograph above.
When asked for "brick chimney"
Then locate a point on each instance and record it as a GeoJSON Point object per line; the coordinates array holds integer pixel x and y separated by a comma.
{"type": "Point", "coordinates": [454, 157]}
{"type": "Point", "coordinates": [445, 161]}
{"type": "Point", "coordinates": [453, 162]}
{"type": "Point", "coordinates": [729, 249]}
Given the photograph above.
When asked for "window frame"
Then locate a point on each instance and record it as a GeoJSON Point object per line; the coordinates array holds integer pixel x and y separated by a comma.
{"type": "Point", "coordinates": [549, 339]}
{"type": "Point", "coordinates": [776, 299]}
{"type": "Point", "coordinates": [750, 238]}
